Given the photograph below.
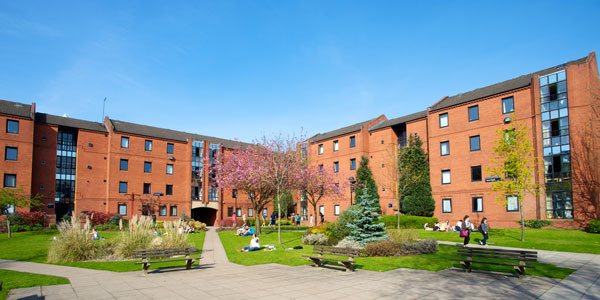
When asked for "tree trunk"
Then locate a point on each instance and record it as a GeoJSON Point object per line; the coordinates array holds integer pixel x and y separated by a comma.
{"type": "Point", "coordinates": [398, 212]}
{"type": "Point", "coordinates": [314, 214]}
{"type": "Point", "coordinates": [256, 218]}
{"type": "Point", "coordinates": [8, 228]}
{"type": "Point", "coordinates": [522, 221]}
{"type": "Point", "coordinates": [278, 216]}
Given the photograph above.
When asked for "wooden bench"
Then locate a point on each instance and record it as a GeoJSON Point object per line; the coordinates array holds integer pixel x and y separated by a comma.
{"type": "Point", "coordinates": [160, 255]}
{"type": "Point", "coordinates": [320, 260]}
{"type": "Point", "coordinates": [493, 256]}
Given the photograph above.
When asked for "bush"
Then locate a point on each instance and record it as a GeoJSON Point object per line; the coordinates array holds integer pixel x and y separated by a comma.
{"type": "Point", "coordinates": [159, 224]}
{"type": "Point", "coordinates": [172, 238]}
{"type": "Point", "coordinates": [383, 248]}
{"type": "Point", "coordinates": [537, 224]}
{"type": "Point", "coordinates": [34, 218]}
{"type": "Point", "coordinates": [286, 228]}
{"type": "Point", "coordinates": [15, 219]}
{"type": "Point", "coordinates": [593, 226]}
{"type": "Point", "coordinates": [339, 230]}
{"type": "Point", "coordinates": [402, 235]}
{"type": "Point", "coordinates": [53, 226]}
{"type": "Point", "coordinates": [140, 236]}
{"type": "Point", "coordinates": [197, 225]}
{"type": "Point", "coordinates": [346, 243]}
{"type": "Point", "coordinates": [315, 239]}
{"type": "Point", "coordinates": [227, 222]}
{"type": "Point", "coordinates": [73, 243]}
{"type": "Point", "coordinates": [98, 217]}
{"type": "Point", "coordinates": [114, 220]}
{"type": "Point", "coordinates": [106, 227]}
{"type": "Point", "coordinates": [421, 247]}
{"type": "Point", "coordinates": [414, 222]}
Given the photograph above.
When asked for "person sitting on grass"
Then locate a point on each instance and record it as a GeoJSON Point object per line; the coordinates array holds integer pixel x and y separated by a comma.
{"type": "Point", "coordinates": [95, 235]}
{"type": "Point", "coordinates": [426, 227]}
{"type": "Point", "coordinates": [436, 226]}
{"type": "Point", "coordinates": [249, 232]}
{"type": "Point", "coordinates": [242, 230]}
{"type": "Point", "coordinates": [254, 245]}
{"type": "Point", "coordinates": [444, 226]}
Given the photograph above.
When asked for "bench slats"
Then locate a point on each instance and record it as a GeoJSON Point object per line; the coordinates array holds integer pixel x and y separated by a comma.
{"type": "Point", "coordinates": [515, 258]}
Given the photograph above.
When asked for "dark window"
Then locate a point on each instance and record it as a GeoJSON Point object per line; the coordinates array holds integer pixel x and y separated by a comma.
{"type": "Point", "coordinates": [147, 188]}
{"type": "Point", "coordinates": [170, 169]}
{"type": "Point", "coordinates": [508, 105]}
{"type": "Point", "coordinates": [336, 166]}
{"type": "Point", "coordinates": [352, 141]}
{"type": "Point", "coordinates": [353, 164]}
{"type": "Point", "coordinates": [446, 205]}
{"type": "Point", "coordinates": [162, 210]}
{"type": "Point", "coordinates": [230, 211]}
{"type": "Point", "coordinates": [170, 148]}
{"type": "Point", "coordinates": [446, 177]}
{"type": "Point", "coordinates": [477, 204]}
{"type": "Point", "coordinates": [443, 120]}
{"type": "Point", "coordinates": [10, 180]}
{"type": "Point", "coordinates": [147, 167]}
{"type": "Point", "coordinates": [321, 168]}
{"type": "Point", "coordinates": [473, 113]}
{"type": "Point", "coordinates": [123, 209]}
{"type": "Point", "coordinates": [124, 142]}
{"type": "Point", "coordinates": [173, 210]}
{"type": "Point", "coordinates": [12, 126]}
{"type": "Point", "coordinates": [474, 142]}
{"type": "Point", "coordinates": [169, 190]}
{"type": "Point", "coordinates": [124, 165]}
{"type": "Point", "coordinates": [445, 148]}
{"type": "Point", "coordinates": [122, 187]}
{"type": "Point", "coordinates": [11, 153]}
{"type": "Point", "coordinates": [336, 145]}
{"type": "Point", "coordinates": [148, 145]}
{"type": "Point", "coordinates": [476, 173]}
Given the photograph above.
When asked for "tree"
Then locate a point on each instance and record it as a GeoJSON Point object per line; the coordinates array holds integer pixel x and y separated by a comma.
{"type": "Point", "coordinates": [366, 182]}
{"type": "Point", "coordinates": [13, 198]}
{"type": "Point", "coordinates": [513, 163]}
{"type": "Point", "coordinates": [413, 180]}
{"type": "Point", "coordinates": [364, 227]}
{"type": "Point", "coordinates": [315, 184]}
{"type": "Point", "coordinates": [247, 170]}
{"type": "Point", "coordinates": [285, 201]}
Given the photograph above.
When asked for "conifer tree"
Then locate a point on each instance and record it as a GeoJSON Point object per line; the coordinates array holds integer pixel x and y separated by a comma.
{"type": "Point", "coordinates": [366, 183]}
{"type": "Point", "coordinates": [413, 179]}
{"type": "Point", "coordinates": [364, 227]}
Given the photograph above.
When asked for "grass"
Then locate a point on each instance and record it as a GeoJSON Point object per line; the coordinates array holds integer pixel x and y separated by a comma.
{"type": "Point", "coordinates": [441, 260]}
{"type": "Point", "coordinates": [33, 247]}
{"type": "Point", "coordinates": [17, 280]}
{"type": "Point", "coordinates": [538, 239]}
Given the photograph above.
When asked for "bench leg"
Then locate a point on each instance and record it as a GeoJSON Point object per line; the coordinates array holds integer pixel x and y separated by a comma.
{"type": "Point", "coordinates": [188, 263]}
{"type": "Point", "coordinates": [146, 266]}
{"type": "Point", "coordinates": [348, 265]}
{"type": "Point", "coordinates": [520, 270]}
{"type": "Point", "coordinates": [467, 265]}
{"type": "Point", "coordinates": [317, 262]}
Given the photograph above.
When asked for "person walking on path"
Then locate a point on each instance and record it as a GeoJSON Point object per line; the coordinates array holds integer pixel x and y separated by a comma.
{"type": "Point", "coordinates": [465, 230]}
{"type": "Point", "coordinates": [311, 221]}
{"type": "Point", "coordinates": [234, 220]}
{"type": "Point", "coordinates": [244, 219]}
{"type": "Point", "coordinates": [483, 228]}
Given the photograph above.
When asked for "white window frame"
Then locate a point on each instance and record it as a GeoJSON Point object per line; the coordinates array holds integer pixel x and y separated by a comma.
{"type": "Point", "coordinates": [336, 145]}
{"type": "Point", "coordinates": [336, 209]}
{"type": "Point", "coordinates": [444, 201]}
{"type": "Point", "coordinates": [449, 176]}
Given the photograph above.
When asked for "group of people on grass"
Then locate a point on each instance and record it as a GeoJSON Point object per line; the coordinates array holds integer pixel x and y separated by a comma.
{"type": "Point", "coordinates": [464, 227]}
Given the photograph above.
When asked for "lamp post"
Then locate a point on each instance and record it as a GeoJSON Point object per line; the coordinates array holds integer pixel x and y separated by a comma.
{"type": "Point", "coordinates": [352, 183]}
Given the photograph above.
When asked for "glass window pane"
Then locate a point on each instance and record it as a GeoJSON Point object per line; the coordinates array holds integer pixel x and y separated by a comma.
{"type": "Point", "coordinates": [562, 87]}
{"type": "Point", "coordinates": [551, 78]}
{"type": "Point", "coordinates": [554, 114]}
{"type": "Point", "coordinates": [543, 80]}
{"type": "Point", "coordinates": [562, 76]}
{"type": "Point", "coordinates": [562, 103]}
{"type": "Point", "coordinates": [545, 116]}
{"type": "Point", "coordinates": [564, 112]}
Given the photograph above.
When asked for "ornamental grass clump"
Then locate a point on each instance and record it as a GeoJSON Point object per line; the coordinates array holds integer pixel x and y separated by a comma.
{"type": "Point", "coordinates": [140, 236]}
{"type": "Point", "coordinates": [174, 236]}
{"type": "Point", "coordinates": [74, 242]}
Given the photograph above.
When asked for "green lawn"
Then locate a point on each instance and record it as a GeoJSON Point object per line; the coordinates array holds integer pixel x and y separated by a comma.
{"type": "Point", "coordinates": [539, 239]}
{"type": "Point", "coordinates": [33, 246]}
{"type": "Point", "coordinates": [17, 280]}
{"type": "Point", "coordinates": [441, 260]}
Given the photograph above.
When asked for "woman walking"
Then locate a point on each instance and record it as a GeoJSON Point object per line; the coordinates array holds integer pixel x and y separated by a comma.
{"type": "Point", "coordinates": [483, 228]}
{"type": "Point", "coordinates": [464, 230]}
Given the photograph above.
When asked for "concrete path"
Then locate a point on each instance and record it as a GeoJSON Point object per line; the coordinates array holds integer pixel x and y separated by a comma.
{"type": "Point", "coordinates": [218, 279]}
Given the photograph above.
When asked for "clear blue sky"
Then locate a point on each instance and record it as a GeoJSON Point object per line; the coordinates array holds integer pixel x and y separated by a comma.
{"type": "Point", "coordinates": [241, 69]}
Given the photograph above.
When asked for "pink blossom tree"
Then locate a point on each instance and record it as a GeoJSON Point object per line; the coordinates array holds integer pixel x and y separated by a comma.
{"type": "Point", "coordinates": [315, 184]}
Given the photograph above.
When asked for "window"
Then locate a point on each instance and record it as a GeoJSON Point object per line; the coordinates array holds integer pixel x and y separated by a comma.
{"type": "Point", "coordinates": [352, 141]}
{"type": "Point", "coordinates": [508, 105]}
{"type": "Point", "coordinates": [322, 209]}
{"type": "Point", "coordinates": [170, 169]}
{"type": "Point", "coordinates": [123, 209]}
{"type": "Point", "coordinates": [473, 113]}
{"type": "Point", "coordinates": [320, 149]}
{"type": "Point", "coordinates": [124, 165]}
{"type": "Point", "coordinates": [336, 166]}
{"type": "Point", "coordinates": [446, 205]}
{"type": "Point", "coordinates": [170, 148]}
{"type": "Point", "coordinates": [321, 168]}
{"type": "Point", "coordinates": [213, 194]}
{"type": "Point", "coordinates": [147, 188]}
{"type": "Point", "coordinates": [265, 212]}
{"type": "Point", "coordinates": [10, 180]}
{"type": "Point", "coordinates": [234, 193]}
{"type": "Point", "coordinates": [122, 187]}
{"type": "Point", "coordinates": [474, 143]}
{"type": "Point", "coordinates": [124, 142]}
{"type": "Point", "coordinates": [169, 190]}
{"type": "Point", "coordinates": [445, 176]}
{"type": "Point", "coordinates": [148, 145]}
{"type": "Point", "coordinates": [445, 148]}
{"type": "Point", "coordinates": [512, 203]}
{"type": "Point", "coordinates": [12, 126]}
{"type": "Point", "coordinates": [443, 120]}
{"type": "Point", "coordinates": [238, 212]}
{"type": "Point", "coordinates": [230, 211]}
{"type": "Point", "coordinates": [147, 167]}
{"type": "Point", "coordinates": [336, 145]}
{"type": "Point", "coordinates": [476, 173]}
{"type": "Point", "coordinates": [250, 212]}
{"type": "Point", "coordinates": [353, 164]}
{"type": "Point", "coordinates": [162, 210]}
{"type": "Point", "coordinates": [477, 204]}
{"type": "Point", "coordinates": [336, 209]}
{"type": "Point", "coordinates": [11, 153]}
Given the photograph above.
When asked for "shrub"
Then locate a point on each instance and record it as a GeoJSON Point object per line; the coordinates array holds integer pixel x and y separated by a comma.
{"type": "Point", "coordinates": [227, 222]}
{"type": "Point", "coordinates": [140, 236]}
{"type": "Point", "coordinates": [172, 238]}
{"type": "Point", "coordinates": [414, 222]}
{"type": "Point", "coordinates": [159, 224]}
{"type": "Point", "coordinates": [53, 226]}
{"type": "Point", "coordinates": [315, 239]}
{"type": "Point", "coordinates": [98, 217]}
{"type": "Point", "coordinates": [33, 218]}
{"type": "Point", "coordinates": [346, 243]}
{"type": "Point", "coordinates": [537, 224]}
{"type": "Point", "coordinates": [593, 226]}
{"type": "Point", "coordinates": [73, 243]}
{"type": "Point", "coordinates": [383, 248]}
{"type": "Point", "coordinates": [286, 228]}
{"type": "Point", "coordinates": [196, 225]}
{"type": "Point", "coordinates": [114, 220]}
{"type": "Point", "coordinates": [402, 235]}
{"type": "Point", "coordinates": [421, 247]}
{"type": "Point", "coordinates": [339, 230]}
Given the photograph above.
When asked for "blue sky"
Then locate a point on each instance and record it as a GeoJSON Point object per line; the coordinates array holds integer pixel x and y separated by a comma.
{"type": "Point", "coordinates": [241, 69]}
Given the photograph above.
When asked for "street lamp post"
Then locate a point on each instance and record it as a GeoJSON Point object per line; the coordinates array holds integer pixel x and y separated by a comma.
{"type": "Point", "coordinates": [352, 183]}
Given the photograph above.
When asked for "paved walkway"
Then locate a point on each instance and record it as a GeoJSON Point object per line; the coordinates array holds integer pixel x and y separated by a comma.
{"type": "Point", "coordinates": [216, 278]}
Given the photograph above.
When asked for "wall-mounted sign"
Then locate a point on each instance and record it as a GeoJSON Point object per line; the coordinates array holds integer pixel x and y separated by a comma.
{"type": "Point", "coordinates": [492, 179]}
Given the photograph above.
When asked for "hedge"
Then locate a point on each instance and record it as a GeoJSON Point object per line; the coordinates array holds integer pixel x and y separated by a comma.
{"type": "Point", "coordinates": [415, 222]}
